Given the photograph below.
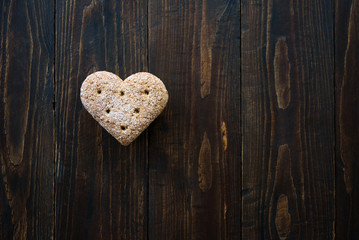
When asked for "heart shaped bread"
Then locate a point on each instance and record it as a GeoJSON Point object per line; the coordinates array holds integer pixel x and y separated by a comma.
{"type": "Point", "coordinates": [124, 108]}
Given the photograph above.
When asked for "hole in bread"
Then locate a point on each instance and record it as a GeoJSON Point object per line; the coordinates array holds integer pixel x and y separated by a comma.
{"type": "Point", "coordinates": [123, 128]}
{"type": "Point", "coordinates": [137, 110]}
{"type": "Point", "coordinates": [122, 93]}
{"type": "Point", "coordinates": [99, 91]}
{"type": "Point", "coordinates": [108, 110]}
{"type": "Point", "coordinates": [147, 92]}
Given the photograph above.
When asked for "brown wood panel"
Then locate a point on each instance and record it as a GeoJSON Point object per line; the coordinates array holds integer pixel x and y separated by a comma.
{"type": "Point", "coordinates": [258, 141]}
{"type": "Point", "coordinates": [347, 112]}
{"type": "Point", "coordinates": [26, 119]}
{"type": "Point", "coordinates": [101, 186]}
{"type": "Point", "coordinates": [194, 146]}
{"type": "Point", "coordinates": [287, 119]}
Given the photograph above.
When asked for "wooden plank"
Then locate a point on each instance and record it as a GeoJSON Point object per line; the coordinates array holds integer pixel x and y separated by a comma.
{"type": "Point", "coordinates": [194, 146]}
{"type": "Point", "coordinates": [101, 187]}
{"type": "Point", "coordinates": [347, 118]}
{"type": "Point", "coordinates": [287, 119]}
{"type": "Point", "coordinates": [26, 119]}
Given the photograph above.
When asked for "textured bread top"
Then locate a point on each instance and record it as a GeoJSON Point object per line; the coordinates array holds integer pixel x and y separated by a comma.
{"type": "Point", "coordinates": [124, 108]}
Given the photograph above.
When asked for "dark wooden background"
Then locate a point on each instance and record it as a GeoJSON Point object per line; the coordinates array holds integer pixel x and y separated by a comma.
{"type": "Point", "coordinates": [259, 140]}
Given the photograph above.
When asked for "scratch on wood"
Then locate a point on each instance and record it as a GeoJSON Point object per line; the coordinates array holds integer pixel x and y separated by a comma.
{"type": "Point", "coordinates": [284, 184]}
{"type": "Point", "coordinates": [283, 218]}
{"type": "Point", "coordinates": [282, 73]}
{"type": "Point", "coordinates": [17, 80]}
{"type": "Point", "coordinates": [346, 134]}
{"type": "Point", "coordinates": [246, 192]}
{"type": "Point", "coordinates": [205, 165]}
{"type": "Point", "coordinates": [224, 135]}
{"type": "Point", "coordinates": [18, 210]}
{"type": "Point", "coordinates": [225, 211]}
{"type": "Point", "coordinates": [207, 39]}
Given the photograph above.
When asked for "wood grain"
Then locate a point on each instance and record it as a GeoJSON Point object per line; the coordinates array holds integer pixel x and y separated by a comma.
{"type": "Point", "coordinates": [347, 112]}
{"type": "Point", "coordinates": [259, 139]}
{"type": "Point", "coordinates": [287, 119]}
{"type": "Point", "coordinates": [194, 146]}
{"type": "Point", "coordinates": [101, 187]}
{"type": "Point", "coordinates": [26, 122]}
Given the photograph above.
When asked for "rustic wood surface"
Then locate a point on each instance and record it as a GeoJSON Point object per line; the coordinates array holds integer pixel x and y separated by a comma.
{"type": "Point", "coordinates": [26, 119]}
{"type": "Point", "coordinates": [347, 119]}
{"type": "Point", "coordinates": [287, 119]}
{"type": "Point", "coordinates": [194, 147]}
{"type": "Point", "coordinates": [100, 186]}
{"type": "Point", "coordinates": [259, 139]}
